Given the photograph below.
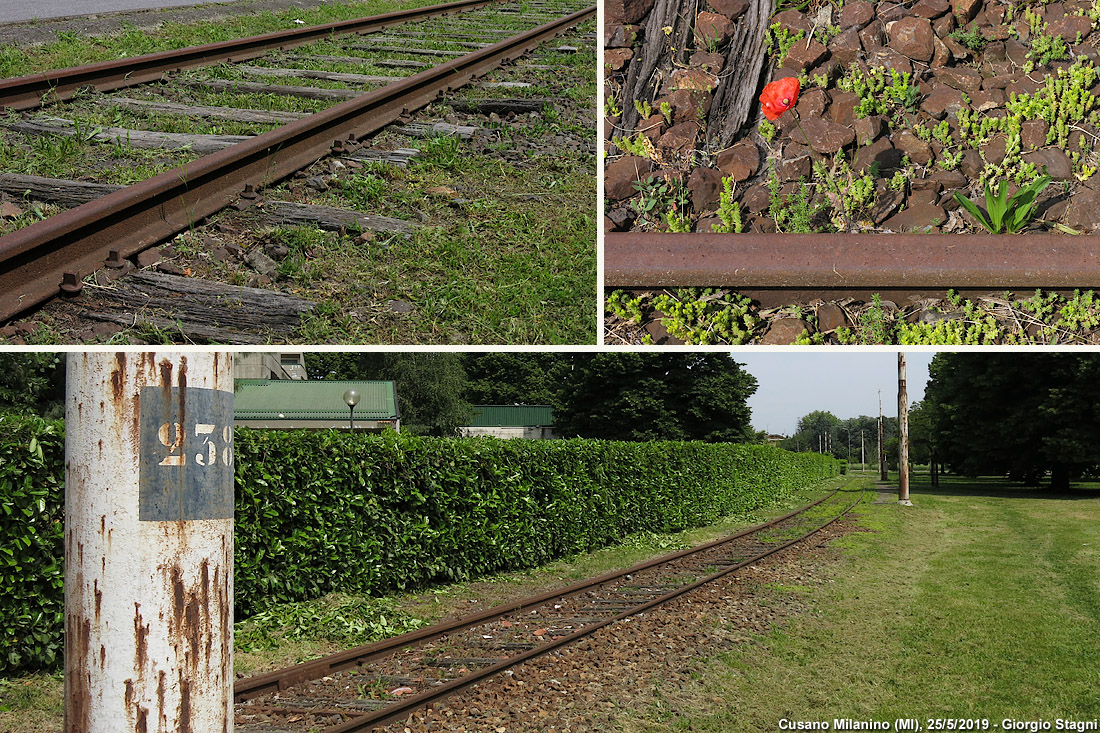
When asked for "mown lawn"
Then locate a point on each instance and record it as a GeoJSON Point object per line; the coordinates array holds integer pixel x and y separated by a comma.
{"type": "Point", "coordinates": [981, 601]}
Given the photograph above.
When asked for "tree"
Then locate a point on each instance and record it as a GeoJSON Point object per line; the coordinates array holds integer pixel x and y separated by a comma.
{"type": "Point", "coordinates": [1019, 415]}
{"type": "Point", "coordinates": [430, 386]}
{"type": "Point", "coordinates": [32, 383]}
{"type": "Point", "coordinates": [656, 396]}
{"type": "Point", "coordinates": [514, 378]}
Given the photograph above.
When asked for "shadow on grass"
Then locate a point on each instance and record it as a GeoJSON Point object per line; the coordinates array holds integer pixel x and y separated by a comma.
{"type": "Point", "coordinates": [995, 486]}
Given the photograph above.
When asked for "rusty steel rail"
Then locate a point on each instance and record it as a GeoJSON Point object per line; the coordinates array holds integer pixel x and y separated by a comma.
{"type": "Point", "coordinates": [29, 92]}
{"type": "Point", "coordinates": [778, 269]}
{"type": "Point", "coordinates": [404, 706]}
{"type": "Point", "coordinates": [35, 260]}
{"type": "Point", "coordinates": [249, 688]}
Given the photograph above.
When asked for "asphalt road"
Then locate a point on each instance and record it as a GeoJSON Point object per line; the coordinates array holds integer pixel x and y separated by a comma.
{"type": "Point", "coordinates": [13, 11]}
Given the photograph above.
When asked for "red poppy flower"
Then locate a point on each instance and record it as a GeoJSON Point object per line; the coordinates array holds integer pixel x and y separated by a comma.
{"type": "Point", "coordinates": [780, 96]}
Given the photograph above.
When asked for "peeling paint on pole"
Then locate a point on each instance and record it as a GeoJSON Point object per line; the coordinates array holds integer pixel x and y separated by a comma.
{"type": "Point", "coordinates": [149, 543]}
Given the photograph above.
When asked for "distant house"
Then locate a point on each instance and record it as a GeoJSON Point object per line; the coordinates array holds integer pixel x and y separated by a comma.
{"type": "Point", "coordinates": [293, 404]}
{"type": "Point", "coordinates": [278, 365]}
{"type": "Point", "coordinates": [533, 422]}
{"type": "Point", "coordinates": [774, 439]}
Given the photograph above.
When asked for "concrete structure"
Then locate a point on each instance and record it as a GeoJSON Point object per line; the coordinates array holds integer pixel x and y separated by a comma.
{"type": "Point", "coordinates": [279, 365]}
{"type": "Point", "coordinates": [315, 405]}
{"type": "Point", "coordinates": [531, 422]}
{"type": "Point", "coordinates": [149, 542]}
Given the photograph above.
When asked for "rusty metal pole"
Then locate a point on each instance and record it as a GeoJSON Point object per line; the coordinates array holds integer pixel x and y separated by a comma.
{"type": "Point", "coordinates": [903, 434]}
{"type": "Point", "coordinates": [149, 543]}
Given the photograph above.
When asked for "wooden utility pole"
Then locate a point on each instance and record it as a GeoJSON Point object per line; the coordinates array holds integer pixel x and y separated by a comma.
{"type": "Point", "coordinates": [881, 448]}
{"type": "Point", "coordinates": [903, 434]}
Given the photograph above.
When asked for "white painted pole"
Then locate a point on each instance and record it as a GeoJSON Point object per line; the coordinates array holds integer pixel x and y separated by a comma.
{"type": "Point", "coordinates": [903, 434]}
{"type": "Point", "coordinates": [149, 543]}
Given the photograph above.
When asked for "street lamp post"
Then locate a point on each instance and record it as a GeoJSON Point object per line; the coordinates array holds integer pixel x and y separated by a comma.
{"type": "Point", "coordinates": [351, 399]}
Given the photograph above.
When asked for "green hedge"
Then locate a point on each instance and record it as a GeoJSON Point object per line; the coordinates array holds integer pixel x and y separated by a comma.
{"type": "Point", "coordinates": [324, 511]}
{"type": "Point", "coordinates": [32, 542]}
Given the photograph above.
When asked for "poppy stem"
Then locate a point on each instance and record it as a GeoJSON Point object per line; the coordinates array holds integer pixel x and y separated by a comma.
{"type": "Point", "coordinates": [798, 122]}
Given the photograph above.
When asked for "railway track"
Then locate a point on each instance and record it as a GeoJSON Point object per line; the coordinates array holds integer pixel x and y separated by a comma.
{"type": "Point", "coordinates": [367, 687]}
{"type": "Point", "coordinates": [220, 127]}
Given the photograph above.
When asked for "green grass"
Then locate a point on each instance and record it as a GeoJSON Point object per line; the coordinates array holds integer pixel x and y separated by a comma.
{"type": "Point", "coordinates": [982, 601]}
{"type": "Point", "coordinates": [74, 49]}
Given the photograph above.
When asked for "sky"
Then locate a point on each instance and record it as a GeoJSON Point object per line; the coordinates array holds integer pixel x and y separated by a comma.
{"type": "Point", "coordinates": [847, 384]}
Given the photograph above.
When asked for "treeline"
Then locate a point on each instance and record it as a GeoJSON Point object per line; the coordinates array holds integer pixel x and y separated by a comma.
{"type": "Point", "coordinates": [614, 396]}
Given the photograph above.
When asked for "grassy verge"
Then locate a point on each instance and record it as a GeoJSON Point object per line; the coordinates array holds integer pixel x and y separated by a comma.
{"type": "Point", "coordinates": [298, 632]}
{"type": "Point", "coordinates": [75, 49]}
{"type": "Point", "coordinates": [982, 601]}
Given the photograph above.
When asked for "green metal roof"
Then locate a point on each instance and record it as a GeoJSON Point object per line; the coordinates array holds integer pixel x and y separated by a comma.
{"type": "Point", "coordinates": [291, 399]}
{"type": "Point", "coordinates": [512, 416]}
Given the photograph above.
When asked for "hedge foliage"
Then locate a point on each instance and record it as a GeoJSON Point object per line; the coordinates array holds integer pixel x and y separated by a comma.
{"type": "Point", "coordinates": [329, 511]}
{"type": "Point", "coordinates": [32, 542]}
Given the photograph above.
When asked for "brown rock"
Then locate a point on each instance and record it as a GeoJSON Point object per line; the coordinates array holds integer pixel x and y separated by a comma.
{"type": "Point", "coordinates": [846, 47]}
{"type": "Point", "coordinates": [712, 29]}
{"type": "Point", "coordinates": [618, 35]}
{"type": "Point", "coordinates": [756, 199]}
{"type": "Point", "coordinates": [712, 62]}
{"type": "Point", "coordinates": [653, 127]}
{"type": "Point", "coordinates": [881, 152]}
{"type": "Point", "coordinates": [931, 9]}
{"type": "Point", "coordinates": [784, 331]}
{"type": "Point", "coordinates": [994, 150]}
{"type": "Point", "coordinates": [692, 79]}
{"type": "Point", "coordinates": [886, 203]}
{"type": "Point", "coordinates": [872, 37]}
{"type": "Point", "coordinates": [891, 59]}
{"type": "Point", "coordinates": [966, 9]}
{"type": "Point", "coordinates": [912, 37]}
{"type": "Point", "coordinates": [830, 317]}
{"type": "Point", "coordinates": [616, 58]}
{"type": "Point", "coordinates": [1052, 161]}
{"type": "Point", "coordinates": [869, 129]}
{"type": "Point", "coordinates": [958, 51]}
{"type": "Point", "coordinates": [680, 138]}
{"type": "Point", "coordinates": [626, 12]}
{"type": "Point", "coordinates": [909, 144]}
{"type": "Point", "coordinates": [1083, 212]}
{"type": "Point", "coordinates": [620, 218]}
{"type": "Point", "coordinates": [1069, 27]}
{"type": "Point", "coordinates": [856, 15]}
{"type": "Point", "coordinates": [943, 102]}
{"type": "Point", "coordinates": [732, 9]}
{"type": "Point", "coordinates": [941, 57]}
{"type": "Point", "coordinates": [705, 184]}
{"type": "Point", "coordinates": [919, 218]}
{"type": "Point", "coordinates": [985, 100]}
{"type": "Point", "coordinates": [796, 169]}
{"type": "Point", "coordinates": [148, 258]}
{"type": "Point", "coordinates": [686, 104]}
{"type": "Point", "coordinates": [1021, 84]}
{"type": "Point", "coordinates": [812, 102]}
{"type": "Point", "coordinates": [950, 180]}
{"type": "Point", "coordinates": [827, 137]}
{"type": "Point", "coordinates": [793, 21]}
{"type": "Point", "coordinates": [740, 161]}
{"type": "Point", "coordinates": [805, 55]}
{"type": "Point", "coordinates": [621, 176]}
{"type": "Point", "coordinates": [971, 164]}
{"type": "Point", "coordinates": [943, 26]}
{"type": "Point", "coordinates": [960, 77]}
{"type": "Point", "coordinates": [843, 108]}
{"type": "Point", "coordinates": [1033, 134]}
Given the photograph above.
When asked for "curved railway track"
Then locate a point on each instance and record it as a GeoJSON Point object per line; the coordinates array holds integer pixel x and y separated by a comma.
{"type": "Point", "coordinates": [348, 691]}
{"type": "Point", "coordinates": [382, 77]}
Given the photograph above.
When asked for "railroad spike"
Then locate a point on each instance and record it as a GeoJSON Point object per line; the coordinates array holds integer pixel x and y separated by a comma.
{"type": "Point", "coordinates": [115, 260]}
{"type": "Point", "coordinates": [71, 284]}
